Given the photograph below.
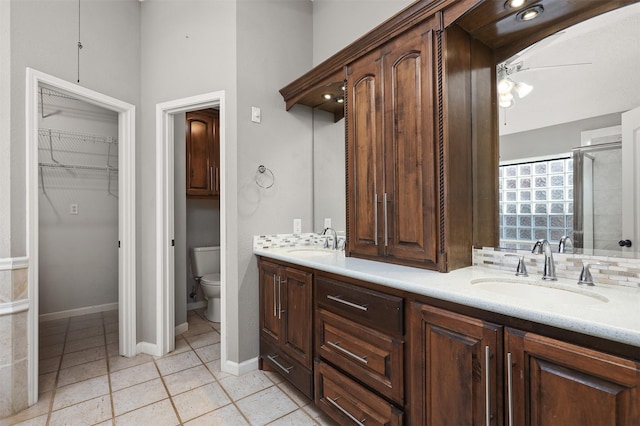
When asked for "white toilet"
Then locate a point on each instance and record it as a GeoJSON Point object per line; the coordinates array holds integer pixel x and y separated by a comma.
{"type": "Point", "coordinates": [205, 266]}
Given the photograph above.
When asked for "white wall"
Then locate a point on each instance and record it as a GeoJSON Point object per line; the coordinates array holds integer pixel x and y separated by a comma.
{"type": "Point", "coordinates": [78, 254]}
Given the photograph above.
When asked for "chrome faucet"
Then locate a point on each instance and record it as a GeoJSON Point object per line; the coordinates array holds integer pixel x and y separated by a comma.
{"type": "Point", "coordinates": [335, 238]}
{"type": "Point", "coordinates": [562, 246]}
{"type": "Point", "coordinates": [543, 247]}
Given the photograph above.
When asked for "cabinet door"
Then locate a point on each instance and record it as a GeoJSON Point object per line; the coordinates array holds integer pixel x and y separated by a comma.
{"type": "Point", "coordinates": [556, 383]}
{"type": "Point", "coordinates": [270, 301]}
{"type": "Point", "coordinates": [203, 145]}
{"type": "Point", "coordinates": [453, 368]}
{"type": "Point", "coordinates": [364, 156]}
{"type": "Point", "coordinates": [410, 148]}
{"type": "Point", "coordinates": [297, 315]}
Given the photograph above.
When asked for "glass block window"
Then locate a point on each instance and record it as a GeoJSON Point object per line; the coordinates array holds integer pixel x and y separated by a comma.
{"type": "Point", "coordinates": [536, 201]}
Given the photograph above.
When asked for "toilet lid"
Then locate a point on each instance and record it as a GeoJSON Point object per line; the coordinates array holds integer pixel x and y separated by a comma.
{"type": "Point", "coordinates": [211, 279]}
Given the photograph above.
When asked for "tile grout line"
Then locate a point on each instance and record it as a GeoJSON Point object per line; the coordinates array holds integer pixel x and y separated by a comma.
{"type": "Point", "coordinates": [106, 353]}
{"type": "Point", "coordinates": [55, 382]}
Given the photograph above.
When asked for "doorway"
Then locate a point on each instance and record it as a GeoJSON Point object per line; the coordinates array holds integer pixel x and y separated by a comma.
{"type": "Point", "coordinates": [126, 211]}
{"type": "Point", "coordinates": [166, 114]}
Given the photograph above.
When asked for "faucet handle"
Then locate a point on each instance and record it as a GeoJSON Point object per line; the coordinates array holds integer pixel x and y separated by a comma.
{"type": "Point", "coordinates": [521, 269]}
{"type": "Point", "coordinates": [585, 277]}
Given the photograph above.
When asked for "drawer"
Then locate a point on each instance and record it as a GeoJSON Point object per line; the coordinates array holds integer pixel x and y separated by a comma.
{"type": "Point", "coordinates": [368, 307]}
{"type": "Point", "coordinates": [374, 358]}
{"type": "Point", "coordinates": [275, 360]}
{"type": "Point", "coordinates": [349, 403]}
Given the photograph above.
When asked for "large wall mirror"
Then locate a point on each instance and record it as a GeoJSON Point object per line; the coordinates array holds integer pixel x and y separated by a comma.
{"type": "Point", "coordinates": [561, 145]}
{"type": "Point", "coordinates": [570, 105]}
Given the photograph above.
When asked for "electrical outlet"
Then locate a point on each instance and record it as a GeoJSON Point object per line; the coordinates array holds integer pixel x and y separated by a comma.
{"type": "Point", "coordinates": [73, 208]}
{"type": "Point", "coordinates": [327, 222]}
{"type": "Point", "coordinates": [297, 226]}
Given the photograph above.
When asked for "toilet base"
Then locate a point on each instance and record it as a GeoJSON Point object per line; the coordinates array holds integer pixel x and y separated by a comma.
{"type": "Point", "coordinates": [212, 313]}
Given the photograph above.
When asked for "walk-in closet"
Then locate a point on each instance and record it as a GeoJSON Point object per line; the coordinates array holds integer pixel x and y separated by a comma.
{"type": "Point", "coordinates": [77, 234]}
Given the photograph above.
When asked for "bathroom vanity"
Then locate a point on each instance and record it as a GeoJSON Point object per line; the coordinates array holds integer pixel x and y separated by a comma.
{"type": "Point", "coordinates": [398, 345]}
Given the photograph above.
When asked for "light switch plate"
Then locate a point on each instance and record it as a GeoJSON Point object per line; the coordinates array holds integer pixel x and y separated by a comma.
{"type": "Point", "coordinates": [255, 114]}
{"type": "Point", "coordinates": [297, 226]}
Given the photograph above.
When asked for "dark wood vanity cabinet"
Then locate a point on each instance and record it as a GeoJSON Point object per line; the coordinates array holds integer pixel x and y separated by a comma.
{"type": "Point", "coordinates": [554, 382]}
{"type": "Point", "coordinates": [203, 153]}
{"type": "Point", "coordinates": [465, 371]}
{"type": "Point", "coordinates": [286, 339]}
{"type": "Point", "coordinates": [455, 362]}
{"type": "Point", "coordinates": [359, 349]}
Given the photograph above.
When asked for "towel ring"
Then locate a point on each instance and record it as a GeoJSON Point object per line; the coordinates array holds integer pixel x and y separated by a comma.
{"type": "Point", "coordinates": [265, 177]}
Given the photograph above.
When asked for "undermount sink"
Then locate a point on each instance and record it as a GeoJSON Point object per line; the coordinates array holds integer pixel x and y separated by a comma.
{"type": "Point", "coordinates": [547, 290]}
{"type": "Point", "coordinates": [311, 252]}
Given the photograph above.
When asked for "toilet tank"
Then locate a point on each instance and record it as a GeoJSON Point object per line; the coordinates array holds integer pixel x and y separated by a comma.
{"type": "Point", "coordinates": [205, 260]}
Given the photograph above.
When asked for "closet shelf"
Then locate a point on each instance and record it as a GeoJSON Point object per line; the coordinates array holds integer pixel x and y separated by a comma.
{"type": "Point", "coordinates": [77, 137]}
{"type": "Point", "coordinates": [78, 166]}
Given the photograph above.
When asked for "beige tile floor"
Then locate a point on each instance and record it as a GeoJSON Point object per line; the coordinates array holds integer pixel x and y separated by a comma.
{"type": "Point", "coordinates": [83, 381]}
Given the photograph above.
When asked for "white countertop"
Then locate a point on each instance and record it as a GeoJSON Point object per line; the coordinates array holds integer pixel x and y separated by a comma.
{"type": "Point", "coordinates": [610, 312]}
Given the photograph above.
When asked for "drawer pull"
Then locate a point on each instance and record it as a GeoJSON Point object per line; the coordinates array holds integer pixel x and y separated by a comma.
{"type": "Point", "coordinates": [346, 302]}
{"type": "Point", "coordinates": [337, 346]}
{"type": "Point", "coordinates": [272, 358]}
{"type": "Point", "coordinates": [487, 385]}
{"type": "Point", "coordinates": [345, 412]}
{"type": "Point", "coordinates": [510, 387]}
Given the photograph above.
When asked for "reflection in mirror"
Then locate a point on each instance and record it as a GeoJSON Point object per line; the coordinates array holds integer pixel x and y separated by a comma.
{"type": "Point", "coordinates": [328, 172]}
{"type": "Point", "coordinates": [582, 81]}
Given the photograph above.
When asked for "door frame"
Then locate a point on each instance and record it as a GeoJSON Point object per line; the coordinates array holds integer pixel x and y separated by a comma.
{"type": "Point", "coordinates": [165, 252]}
{"type": "Point", "coordinates": [126, 213]}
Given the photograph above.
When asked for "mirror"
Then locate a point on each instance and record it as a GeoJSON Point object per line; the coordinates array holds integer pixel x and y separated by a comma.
{"type": "Point", "coordinates": [329, 200]}
{"type": "Point", "coordinates": [569, 126]}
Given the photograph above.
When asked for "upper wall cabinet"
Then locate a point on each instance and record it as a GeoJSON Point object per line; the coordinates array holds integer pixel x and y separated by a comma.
{"type": "Point", "coordinates": [203, 153]}
{"type": "Point", "coordinates": [391, 144]}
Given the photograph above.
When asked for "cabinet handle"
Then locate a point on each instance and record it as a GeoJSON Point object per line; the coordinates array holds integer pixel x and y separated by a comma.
{"type": "Point", "coordinates": [345, 412]}
{"type": "Point", "coordinates": [217, 176]}
{"type": "Point", "coordinates": [510, 388]}
{"type": "Point", "coordinates": [211, 177]}
{"type": "Point", "coordinates": [375, 223]}
{"type": "Point", "coordinates": [272, 358]}
{"type": "Point", "coordinates": [386, 232]}
{"type": "Point", "coordinates": [279, 299]}
{"type": "Point", "coordinates": [337, 346]}
{"type": "Point", "coordinates": [274, 295]}
{"type": "Point", "coordinates": [487, 379]}
{"type": "Point", "coordinates": [346, 302]}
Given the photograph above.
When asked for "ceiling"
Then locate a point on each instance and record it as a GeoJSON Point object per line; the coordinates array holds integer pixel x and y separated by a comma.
{"type": "Point", "coordinates": [611, 43]}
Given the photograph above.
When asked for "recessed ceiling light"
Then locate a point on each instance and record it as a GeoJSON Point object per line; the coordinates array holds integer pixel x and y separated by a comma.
{"type": "Point", "coordinates": [514, 4]}
{"type": "Point", "coordinates": [530, 13]}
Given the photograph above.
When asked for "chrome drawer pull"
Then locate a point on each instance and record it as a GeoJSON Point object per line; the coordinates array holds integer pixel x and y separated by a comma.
{"type": "Point", "coordinates": [345, 412]}
{"type": "Point", "coordinates": [346, 302]}
{"type": "Point", "coordinates": [272, 358]}
{"type": "Point", "coordinates": [337, 346]}
{"type": "Point", "coordinates": [487, 387]}
{"type": "Point", "coordinates": [274, 296]}
{"type": "Point", "coordinates": [510, 387]}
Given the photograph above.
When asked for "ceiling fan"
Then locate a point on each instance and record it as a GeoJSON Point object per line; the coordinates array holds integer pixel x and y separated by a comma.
{"type": "Point", "coordinates": [508, 86]}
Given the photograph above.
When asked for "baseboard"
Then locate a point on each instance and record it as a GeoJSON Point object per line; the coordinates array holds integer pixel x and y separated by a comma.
{"type": "Point", "coordinates": [182, 328]}
{"type": "Point", "coordinates": [239, 369]}
{"type": "Point", "coordinates": [147, 348]}
{"type": "Point", "coordinates": [196, 305]}
{"type": "Point", "coordinates": [79, 311]}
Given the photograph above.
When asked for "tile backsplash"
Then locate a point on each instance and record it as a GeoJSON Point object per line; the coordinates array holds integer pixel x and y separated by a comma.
{"type": "Point", "coordinates": [617, 271]}
{"type": "Point", "coordinates": [288, 240]}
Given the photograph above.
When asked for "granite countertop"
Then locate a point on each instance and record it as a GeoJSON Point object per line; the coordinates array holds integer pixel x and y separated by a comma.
{"type": "Point", "coordinates": [606, 311]}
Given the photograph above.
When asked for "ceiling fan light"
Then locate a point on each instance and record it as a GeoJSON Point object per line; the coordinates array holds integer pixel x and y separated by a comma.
{"type": "Point", "coordinates": [506, 103]}
{"type": "Point", "coordinates": [522, 89]}
{"type": "Point", "coordinates": [504, 86]}
{"type": "Point", "coordinates": [327, 96]}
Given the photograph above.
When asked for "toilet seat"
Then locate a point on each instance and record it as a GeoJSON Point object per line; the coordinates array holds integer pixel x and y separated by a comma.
{"type": "Point", "coordinates": [210, 279]}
